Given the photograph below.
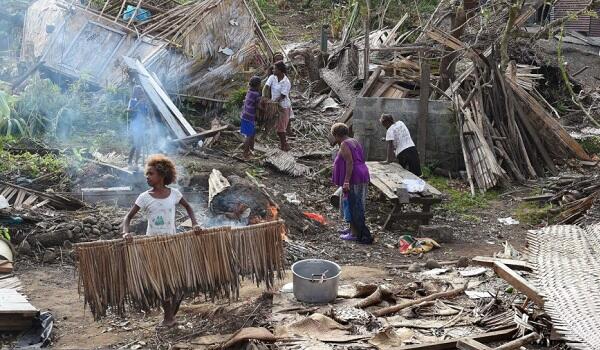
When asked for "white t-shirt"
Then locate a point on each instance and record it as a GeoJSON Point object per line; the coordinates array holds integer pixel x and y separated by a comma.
{"type": "Point", "coordinates": [279, 88]}
{"type": "Point", "coordinates": [399, 134]}
{"type": "Point", "coordinates": [159, 212]}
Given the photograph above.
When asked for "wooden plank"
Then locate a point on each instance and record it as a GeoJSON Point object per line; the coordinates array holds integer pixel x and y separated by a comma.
{"type": "Point", "coordinates": [489, 261]}
{"type": "Point", "coordinates": [452, 343]}
{"type": "Point", "coordinates": [383, 188]}
{"type": "Point", "coordinates": [517, 281]}
{"type": "Point", "coordinates": [201, 135]}
{"type": "Point", "coordinates": [365, 92]}
{"type": "Point", "coordinates": [29, 202]}
{"type": "Point", "coordinates": [10, 282]}
{"type": "Point", "coordinates": [423, 111]}
{"type": "Point", "coordinates": [187, 127]}
{"type": "Point", "coordinates": [41, 204]}
{"type": "Point", "coordinates": [19, 201]}
{"type": "Point", "coordinates": [6, 266]}
{"type": "Point", "coordinates": [471, 344]}
{"type": "Point", "coordinates": [157, 101]}
{"type": "Point", "coordinates": [383, 87]}
{"type": "Point", "coordinates": [547, 124]}
{"type": "Point", "coordinates": [396, 173]}
{"type": "Point", "coordinates": [11, 194]}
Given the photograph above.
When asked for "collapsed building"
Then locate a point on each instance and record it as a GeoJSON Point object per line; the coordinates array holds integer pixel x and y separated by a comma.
{"type": "Point", "coordinates": [194, 48]}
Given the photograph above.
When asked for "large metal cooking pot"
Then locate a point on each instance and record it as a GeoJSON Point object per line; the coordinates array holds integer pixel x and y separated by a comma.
{"type": "Point", "coordinates": [316, 280]}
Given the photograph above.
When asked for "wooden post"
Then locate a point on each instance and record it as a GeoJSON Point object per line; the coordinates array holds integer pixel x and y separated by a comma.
{"type": "Point", "coordinates": [367, 40]}
{"type": "Point", "coordinates": [423, 111]}
{"type": "Point", "coordinates": [324, 37]}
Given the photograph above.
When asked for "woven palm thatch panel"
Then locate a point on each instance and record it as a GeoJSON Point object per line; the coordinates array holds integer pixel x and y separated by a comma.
{"type": "Point", "coordinates": [141, 274]}
{"type": "Point", "coordinates": [567, 265]}
{"type": "Point", "coordinates": [286, 163]}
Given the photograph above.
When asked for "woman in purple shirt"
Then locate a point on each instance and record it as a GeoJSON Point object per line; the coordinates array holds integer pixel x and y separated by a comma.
{"type": "Point", "coordinates": [351, 173]}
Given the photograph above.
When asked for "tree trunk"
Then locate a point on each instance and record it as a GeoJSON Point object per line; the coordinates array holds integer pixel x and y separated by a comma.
{"type": "Point", "coordinates": [448, 62]}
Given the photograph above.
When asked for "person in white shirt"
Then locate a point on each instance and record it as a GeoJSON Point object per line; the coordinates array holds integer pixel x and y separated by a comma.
{"type": "Point", "coordinates": [158, 204]}
{"type": "Point", "coordinates": [280, 87]}
{"type": "Point", "coordinates": [400, 145]}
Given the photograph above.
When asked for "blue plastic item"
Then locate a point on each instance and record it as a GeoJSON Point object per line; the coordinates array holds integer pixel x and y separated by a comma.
{"type": "Point", "coordinates": [141, 15]}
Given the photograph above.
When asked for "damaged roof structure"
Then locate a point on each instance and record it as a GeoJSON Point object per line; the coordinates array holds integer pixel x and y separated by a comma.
{"type": "Point", "coordinates": [194, 48]}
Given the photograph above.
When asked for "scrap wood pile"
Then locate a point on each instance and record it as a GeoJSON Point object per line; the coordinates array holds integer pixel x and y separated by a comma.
{"type": "Point", "coordinates": [508, 130]}
{"type": "Point", "coordinates": [571, 196]}
{"type": "Point", "coordinates": [115, 273]}
{"type": "Point", "coordinates": [439, 309]}
{"type": "Point", "coordinates": [22, 197]}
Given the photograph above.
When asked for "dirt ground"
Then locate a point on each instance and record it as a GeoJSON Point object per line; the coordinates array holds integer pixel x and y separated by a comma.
{"type": "Point", "coordinates": [54, 288]}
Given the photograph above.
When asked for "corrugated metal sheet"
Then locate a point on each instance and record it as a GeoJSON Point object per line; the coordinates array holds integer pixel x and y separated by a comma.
{"type": "Point", "coordinates": [563, 7]}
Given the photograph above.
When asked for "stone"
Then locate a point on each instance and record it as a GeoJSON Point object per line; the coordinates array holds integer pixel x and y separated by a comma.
{"type": "Point", "coordinates": [432, 264]}
{"type": "Point", "coordinates": [54, 238]}
{"type": "Point", "coordinates": [96, 231]}
{"type": "Point", "coordinates": [77, 229]}
{"type": "Point", "coordinates": [24, 248]}
{"type": "Point", "coordinates": [49, 256]}
{"type": "Point", "coordinates": [415, 267]}
{"type": "Point", "coordinates": [439, 233]}
{"type": "Point", "coordinates": [90, 220]}
{"type": "Point", "coordinates": [463, 262]}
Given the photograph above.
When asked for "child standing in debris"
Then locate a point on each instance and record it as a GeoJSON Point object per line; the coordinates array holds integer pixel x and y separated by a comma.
{"type": "Point", "coordinates": [280, 87]}
{"type": "Point", "coordinates": [138, 110]}
{"type": "Point", "coordinates": [158, 203]}
{"type": "Point", "coordinates": [248, 118]}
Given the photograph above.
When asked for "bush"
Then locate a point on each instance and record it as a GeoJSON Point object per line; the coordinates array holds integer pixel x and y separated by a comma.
{"type": "Point", "coordinates": [233, 106]}
{"type": "Point", "coordinates": [591, 144]}
{"type": "Point", "coordinates": [10, 123]}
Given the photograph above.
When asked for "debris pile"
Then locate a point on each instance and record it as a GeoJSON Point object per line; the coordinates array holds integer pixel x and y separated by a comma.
{"type": "Point", "coordinates": [571, 197]}
{"type": "Point", "coordinates": [508, 131]}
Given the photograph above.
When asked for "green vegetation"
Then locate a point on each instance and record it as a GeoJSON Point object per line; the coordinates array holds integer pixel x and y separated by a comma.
{"type": "Point", "coordinates": [28, 164]}
{"type": "Point", "coordinates": [532, 213]}
{"type": "Point", "coordinates": [460, 200]}
{"type": "Point", "coordinates": [78, 116]}
{"type": "Point", "coordinates": [10, 123]}
{"type": "Point", "coordinates": [591, 144]}
{"type": "Point", "coordinates": [234, 105]}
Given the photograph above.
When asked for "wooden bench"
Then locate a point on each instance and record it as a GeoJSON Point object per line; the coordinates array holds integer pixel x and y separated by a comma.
{"type": "Point", "coordinates": [388, 178]}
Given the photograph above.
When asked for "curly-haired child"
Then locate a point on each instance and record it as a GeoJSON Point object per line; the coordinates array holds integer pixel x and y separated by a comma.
{"type": "Point", "coordinates": [158, 204]}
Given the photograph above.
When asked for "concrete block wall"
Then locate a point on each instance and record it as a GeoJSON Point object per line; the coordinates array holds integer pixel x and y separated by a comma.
{"type": "Point", "coordinates": [443, 144]}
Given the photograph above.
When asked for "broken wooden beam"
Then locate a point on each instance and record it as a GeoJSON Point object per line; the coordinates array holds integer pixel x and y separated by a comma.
{"type": "Point", "coordinates": [471, 344]}
{"type": "Point", "coordinates": [488, 261]}
{"type": "Point", "coordinates": [519, 342]}
{"type": "Point", "coordinates": [441, 295]}
{"type": "Point", "coordinates": [518, 282]}
{"type": "Point", "coordinates": [200, 136]}
{"type": "Point", "coordinates": [452, 343]}
{"type": "Point", "coordinates": [423, 111]}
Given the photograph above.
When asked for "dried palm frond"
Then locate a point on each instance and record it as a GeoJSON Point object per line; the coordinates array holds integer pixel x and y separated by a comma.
{"type": "Point", "coordinates": [142, 273]}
